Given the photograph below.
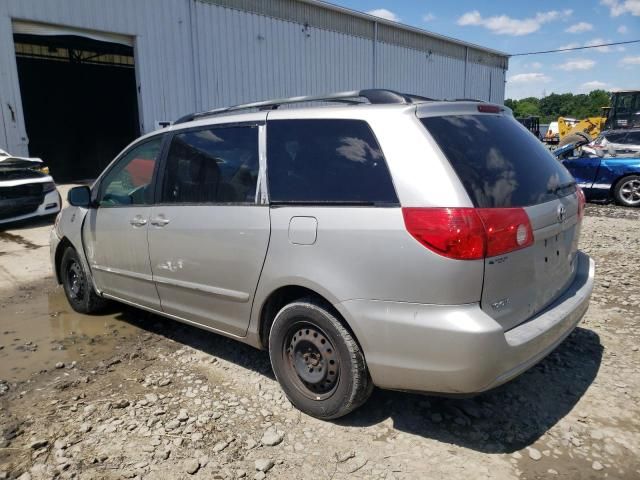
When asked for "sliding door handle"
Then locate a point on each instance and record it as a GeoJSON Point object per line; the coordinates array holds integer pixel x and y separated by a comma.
{"type": "Point", "coordinates": [138, 221]}
{"type": "Point", "coordinates": [159, 221]}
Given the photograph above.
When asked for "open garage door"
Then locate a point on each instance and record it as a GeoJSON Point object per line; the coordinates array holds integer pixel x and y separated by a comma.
{"type": "Point", "coordinates": [79, 99]}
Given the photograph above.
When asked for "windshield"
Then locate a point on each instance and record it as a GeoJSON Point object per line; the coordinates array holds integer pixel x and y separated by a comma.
{"type": "Point", "coordinates": [499, 162]}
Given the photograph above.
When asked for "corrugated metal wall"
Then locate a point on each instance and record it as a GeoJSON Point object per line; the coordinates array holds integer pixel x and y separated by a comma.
{"type": "Point", "coordinates": [431, 75]}
{"type": "Point", "coordinates": [244, 56]}
{"type": "Point", "coordinates": [162, 34]}
{"type": "Point", "coordinates": [200, 54]}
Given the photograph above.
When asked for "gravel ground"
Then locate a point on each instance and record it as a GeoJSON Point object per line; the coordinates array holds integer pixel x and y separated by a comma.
{"type": "Point", "coordinates": [144, 397]}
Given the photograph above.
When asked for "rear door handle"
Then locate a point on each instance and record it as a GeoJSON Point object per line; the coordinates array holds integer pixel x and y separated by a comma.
{"type": "Point", "coordinates": [159, 221]}
{"type": "Point", "coordinates": [138, 221]}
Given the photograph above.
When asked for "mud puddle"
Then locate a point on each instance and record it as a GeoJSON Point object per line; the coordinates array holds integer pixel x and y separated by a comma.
{"type": "Point", "coordinates": [44, 330]}
{"type": "Point", "coordinates": [18, 239]}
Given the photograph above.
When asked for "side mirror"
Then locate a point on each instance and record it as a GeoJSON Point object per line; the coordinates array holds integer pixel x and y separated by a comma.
{"type": "Point", "coordinates": [79, 196]}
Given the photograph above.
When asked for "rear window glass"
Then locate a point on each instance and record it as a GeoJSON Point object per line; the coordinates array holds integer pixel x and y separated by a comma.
{"type": "Point", "coordinates": [326, 161]}
{"type": "Point", "coordinates": [498, 161]}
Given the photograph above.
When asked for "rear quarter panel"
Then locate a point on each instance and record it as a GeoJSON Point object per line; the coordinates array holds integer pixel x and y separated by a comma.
{"type": "Point", "coordinates": [614, 168]}
{"type": "Point", "coordinates": [363, 253]}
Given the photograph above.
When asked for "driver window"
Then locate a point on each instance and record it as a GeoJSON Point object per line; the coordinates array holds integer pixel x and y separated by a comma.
{"type": "Point", "coordinates": [129, 182]}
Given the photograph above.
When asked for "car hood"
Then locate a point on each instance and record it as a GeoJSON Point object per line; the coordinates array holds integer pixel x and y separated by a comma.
{"type": "Point", "coordinates": [8, 160]}
{"type": "Point", "coordinates": [14, 169]}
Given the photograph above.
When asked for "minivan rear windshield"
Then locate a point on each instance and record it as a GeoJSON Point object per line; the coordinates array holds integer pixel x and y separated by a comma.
{"type": "Point", "coordinates": [499, 162]}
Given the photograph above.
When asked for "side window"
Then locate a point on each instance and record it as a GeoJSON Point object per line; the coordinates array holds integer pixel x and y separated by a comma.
{"type": "Point", "coordinates": [326, 161]}
{"type": "Point", "coordinates": [214, 165]}
{"type": "Point", "coordinates": [129, 182]}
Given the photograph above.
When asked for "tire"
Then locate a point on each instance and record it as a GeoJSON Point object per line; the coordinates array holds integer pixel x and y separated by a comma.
{"type": "Point", "coordinates": [77, 287]}
{"type": "Point", "coordinates": [580, 138]}
{"type": "Point", "coordinates": [627, 191]}
{"type": "Point", "coordinates": [317, 362]}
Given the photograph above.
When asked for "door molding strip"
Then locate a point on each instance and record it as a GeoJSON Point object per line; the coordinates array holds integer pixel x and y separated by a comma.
{"type": "Point", "coordinates": [233, 295]}
{"type": "Point", "coordinates": [124, 273]}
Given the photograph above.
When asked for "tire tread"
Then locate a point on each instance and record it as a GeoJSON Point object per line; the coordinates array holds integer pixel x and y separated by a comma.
{"type": "Point", "coordinates": [362, 384]}
{"type": "Point", "coordinates": [92, 303]}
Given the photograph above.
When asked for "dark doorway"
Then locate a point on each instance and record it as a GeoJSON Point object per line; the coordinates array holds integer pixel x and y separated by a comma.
{"type": "Point", "coordinates": [79, 100]}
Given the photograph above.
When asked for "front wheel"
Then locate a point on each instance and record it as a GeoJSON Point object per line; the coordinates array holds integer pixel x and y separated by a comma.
{"type": "Point", "coordinates": [77, 286]}
{"type": "Point", "coordinates": [627, 191]}
{"type": "Point", "coordinates": [317, 362]}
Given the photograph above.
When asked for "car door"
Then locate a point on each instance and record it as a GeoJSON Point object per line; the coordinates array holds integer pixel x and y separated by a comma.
{"type": "Point", "coordinates": [209, 231]}
{"type": "Point", "coordinates": [583, 169]}
{"type": "Point", "coordinates": [115, 232]}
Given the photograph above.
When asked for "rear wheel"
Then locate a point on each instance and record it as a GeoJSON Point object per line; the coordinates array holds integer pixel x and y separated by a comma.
{"type": "Point", "coordinates": [318, 363]}
{"type": "Point", "coordinates": [77, 287]}
{"type": "Point", "coordinates": [627, 191]}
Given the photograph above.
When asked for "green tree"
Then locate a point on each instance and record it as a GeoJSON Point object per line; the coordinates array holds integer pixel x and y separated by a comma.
{"type": "Point", "coordinates": [555, 105]}
{"type": "Point", "coordinates": [524, 108]}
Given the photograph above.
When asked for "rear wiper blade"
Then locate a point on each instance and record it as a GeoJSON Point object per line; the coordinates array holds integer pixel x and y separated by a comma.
{"type": "Point", "coordinates": [562, 186]}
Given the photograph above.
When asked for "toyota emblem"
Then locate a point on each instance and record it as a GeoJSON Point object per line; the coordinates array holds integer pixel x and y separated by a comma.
{"type": "Point", "coordinates": [562, 213]}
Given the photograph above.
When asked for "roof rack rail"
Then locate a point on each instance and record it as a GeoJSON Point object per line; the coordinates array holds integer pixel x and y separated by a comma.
{"type": "Point", "coordinates": [375, 96]}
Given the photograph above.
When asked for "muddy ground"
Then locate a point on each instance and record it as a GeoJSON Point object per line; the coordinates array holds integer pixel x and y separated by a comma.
{"type": "Point", "coordinates": [129, 394]}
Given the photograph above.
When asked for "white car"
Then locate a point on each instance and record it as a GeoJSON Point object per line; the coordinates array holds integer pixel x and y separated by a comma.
{"type": "Point", "coordinates": [617, 141]}
{"type": "Point", "coordinates": [26, 189]}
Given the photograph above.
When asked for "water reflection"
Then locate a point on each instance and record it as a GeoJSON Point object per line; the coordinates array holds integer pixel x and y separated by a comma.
{"type": "Point", "coordinates": [43, 330]}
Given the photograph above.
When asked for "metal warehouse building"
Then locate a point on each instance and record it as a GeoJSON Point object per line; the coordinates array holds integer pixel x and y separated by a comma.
{"type": "Point", "coordinates": [79, 79]}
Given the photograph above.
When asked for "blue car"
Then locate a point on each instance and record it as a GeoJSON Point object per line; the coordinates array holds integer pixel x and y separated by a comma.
{"type": "Point", "coordinates": [605, 176]}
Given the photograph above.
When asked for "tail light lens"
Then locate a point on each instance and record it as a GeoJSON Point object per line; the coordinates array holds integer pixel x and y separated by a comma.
{"type": "Point", "coordinates": [581, 202]}
{"type": "Point", "coordinates": [469, 233]}
{"type": "Point", "coordinates": [452, 232]}
{"type": "Point", "coordinates": [507, 229]}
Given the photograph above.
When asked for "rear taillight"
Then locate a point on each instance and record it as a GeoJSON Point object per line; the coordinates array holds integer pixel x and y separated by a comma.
{"type": "Point", "coordinates": [581, 202]}
{"type": "Point", "coordinates": [452, 232]}
{"type": "Point", "coordinates": [507, 229]}
{"type": "Point", "coordinates": [469, 233]}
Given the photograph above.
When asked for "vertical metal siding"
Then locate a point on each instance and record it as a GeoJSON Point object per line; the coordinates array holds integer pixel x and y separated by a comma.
{"type": "Point", "coordinates": [243, 56]}
{"type": "Point", "coordinates": [414, 71]}
{"type": "Point", "coordinates": [14, 135]}
{"type": "Point", "coordinates": [192, 55]}
{"type": "Point", "coordinates": [485, 82]}
{"type": "Point", "coordinates": [161, 29]}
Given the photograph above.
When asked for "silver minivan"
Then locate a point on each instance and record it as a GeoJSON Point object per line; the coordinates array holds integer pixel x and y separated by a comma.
{"type": "Point", "coordinates": [374, 238]}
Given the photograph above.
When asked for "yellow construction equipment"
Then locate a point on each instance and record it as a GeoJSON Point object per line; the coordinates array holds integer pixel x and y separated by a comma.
{"type": "Point", "coordinates": [622, 112]}
{"type": "Point", "coordinates": [572, 130]}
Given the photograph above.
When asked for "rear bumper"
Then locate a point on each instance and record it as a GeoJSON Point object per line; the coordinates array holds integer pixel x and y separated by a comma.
{"type": "Point", "coordinates": [459, 349]}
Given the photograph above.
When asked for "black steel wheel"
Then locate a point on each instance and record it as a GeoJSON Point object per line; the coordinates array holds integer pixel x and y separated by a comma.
{"type": "Point", "coordinates": [313, 363]}
{"type": "Point", "coordinates": [318, 363]}
{"type": "Point", "coordinates": [77, 286]}
{"type": "Point", "coordinates": [75, 280]}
